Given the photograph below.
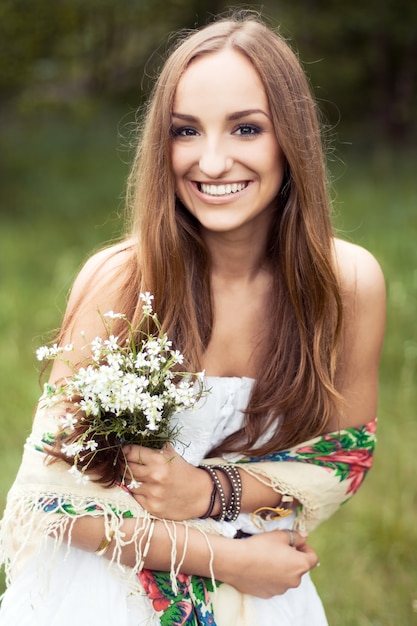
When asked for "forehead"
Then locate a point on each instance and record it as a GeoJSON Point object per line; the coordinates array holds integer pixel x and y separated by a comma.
{"type": "Point", "coordinates": [225, 78]}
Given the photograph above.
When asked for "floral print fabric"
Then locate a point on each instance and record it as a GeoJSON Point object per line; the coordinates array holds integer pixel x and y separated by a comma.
{"type": "Point", "coordinates": [348, 454]}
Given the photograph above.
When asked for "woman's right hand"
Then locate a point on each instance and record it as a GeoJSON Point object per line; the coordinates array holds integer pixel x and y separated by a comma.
{"type": "Point", "coordinates": [266, 565]}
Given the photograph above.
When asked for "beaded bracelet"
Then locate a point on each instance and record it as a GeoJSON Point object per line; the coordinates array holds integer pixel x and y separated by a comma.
{"type": "Point", "coordinates": [217, 488]}
{"type": "Point", "coordinates": [212, 500]}
{"type": "Point", "coordinates": [104, 544]}
{"type": "Point", "coordinates": [233, 476]}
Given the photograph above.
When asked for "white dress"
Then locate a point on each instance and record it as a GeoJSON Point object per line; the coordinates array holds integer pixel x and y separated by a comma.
{"type": "Point", "coordinates": [80, 587]}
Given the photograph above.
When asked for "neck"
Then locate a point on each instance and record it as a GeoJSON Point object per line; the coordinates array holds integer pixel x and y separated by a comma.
{"type": "Point", "coordinates": [236, 258]}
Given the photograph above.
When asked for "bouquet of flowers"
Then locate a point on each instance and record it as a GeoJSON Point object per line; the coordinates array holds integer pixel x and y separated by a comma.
{"type": "Point", "coordinates": [126, 394]}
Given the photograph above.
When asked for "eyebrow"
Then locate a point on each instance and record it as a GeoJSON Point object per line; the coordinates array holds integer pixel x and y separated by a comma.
{"type": "Point", "coordinates": [232, 117]}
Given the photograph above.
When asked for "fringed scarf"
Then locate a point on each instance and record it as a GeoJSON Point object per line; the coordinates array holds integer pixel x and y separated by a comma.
{"type": "Point", "coordinates": [321, 474]}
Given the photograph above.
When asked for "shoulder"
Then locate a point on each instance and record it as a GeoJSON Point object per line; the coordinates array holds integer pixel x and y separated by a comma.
{"type": "Point", "coordinates": [108, 260]}
{"type": "Point", "coordinates": [107, 268]}
{"type": "Point", "coordinates": [100, 286]}
{"type": "Point", "coordinates": [360, 275]}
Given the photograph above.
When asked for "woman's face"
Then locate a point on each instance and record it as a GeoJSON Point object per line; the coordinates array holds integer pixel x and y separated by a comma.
{"type": "Point", "coordinates": [227, 162]}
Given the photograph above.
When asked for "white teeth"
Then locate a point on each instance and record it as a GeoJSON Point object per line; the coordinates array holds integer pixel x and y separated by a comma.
{"type": "Point", "coordinates": [221, 190]}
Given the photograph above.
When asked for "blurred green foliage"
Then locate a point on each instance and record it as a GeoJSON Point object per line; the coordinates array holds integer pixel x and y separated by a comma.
{"type": "Point", "coordinates": [360, 55]}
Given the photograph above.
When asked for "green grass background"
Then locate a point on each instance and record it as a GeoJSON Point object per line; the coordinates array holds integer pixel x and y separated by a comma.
{"type": "Point", "coordinates": [61, 197]}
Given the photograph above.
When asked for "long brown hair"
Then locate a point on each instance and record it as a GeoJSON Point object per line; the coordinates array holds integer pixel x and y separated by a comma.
{"type": "Point", "coordinates": [295, 394]}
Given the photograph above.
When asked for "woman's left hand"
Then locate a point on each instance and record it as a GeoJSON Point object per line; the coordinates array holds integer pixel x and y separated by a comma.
{"type": "Point", "coordinates": [164, 484]}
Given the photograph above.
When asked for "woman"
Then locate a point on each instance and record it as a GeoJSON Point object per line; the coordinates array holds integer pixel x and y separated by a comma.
{"type": "Point", "coordinates": [232, 236]}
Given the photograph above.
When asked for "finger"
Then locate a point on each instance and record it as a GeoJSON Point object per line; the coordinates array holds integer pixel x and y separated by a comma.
{"type": "Point", "coordinates": [168, 452]}
{"type": "Point", "coordinates": [132, 452]}
{"type": "Point", "coordinates": [291, 535]}
{"type": "Point", "coordinates": [138, 454]}
{"type": "Point", "coordinates": [311, 556]}
{"type": "Point", "coordinates": [144, 456]}
{"type": "Point", "coordinates": [296, 539]}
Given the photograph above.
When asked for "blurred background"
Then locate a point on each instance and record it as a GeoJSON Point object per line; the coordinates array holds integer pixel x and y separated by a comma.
{"type": "Point", "coordinates": [72, 76]}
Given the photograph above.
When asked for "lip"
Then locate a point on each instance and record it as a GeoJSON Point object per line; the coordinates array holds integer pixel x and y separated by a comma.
{"type": "Point", "coordinates": [220, 199]}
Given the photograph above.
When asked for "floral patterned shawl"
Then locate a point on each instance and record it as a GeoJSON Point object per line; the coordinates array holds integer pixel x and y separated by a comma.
{"type": "Point", "coordinates": [321, 474]}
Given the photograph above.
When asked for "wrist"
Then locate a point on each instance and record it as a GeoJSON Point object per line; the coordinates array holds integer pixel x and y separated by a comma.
{"type": "Point", "coordinates": [230, 558]}
{"type": "Point", "coordinates": [207, 499]}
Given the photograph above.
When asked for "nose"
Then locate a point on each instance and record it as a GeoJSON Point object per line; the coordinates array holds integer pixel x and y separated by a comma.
{"type": "Point", "coordinates": [214, 161]}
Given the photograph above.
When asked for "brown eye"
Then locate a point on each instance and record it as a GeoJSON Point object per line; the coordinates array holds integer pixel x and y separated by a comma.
{"type": "Point", "coordinates": [248, 130]}
{"type": "Point", "coordinates": [184, 131]}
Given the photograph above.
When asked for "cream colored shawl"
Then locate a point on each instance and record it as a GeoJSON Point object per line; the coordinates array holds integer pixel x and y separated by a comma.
{"type": "Point", "coordinates": [45, 498]}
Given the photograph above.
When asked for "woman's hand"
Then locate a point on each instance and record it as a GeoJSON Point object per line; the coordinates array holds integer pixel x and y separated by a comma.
{"type": "Point", "coordinates": [263, 565]}
{"type": "Point", "coordinates": [166, 485]}
{"type": "Point", "coordinates": [266, 565]}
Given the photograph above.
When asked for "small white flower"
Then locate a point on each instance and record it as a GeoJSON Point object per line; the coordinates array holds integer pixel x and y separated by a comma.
{"type": "Point", "coordinates": [42, 353]}
{"type": "Point", "coordinates": [91, 445]}
{"type": "Point", "coordinates": [111, 343]}
{"type": "Point", "coordinates": [45, 352]}
{"type": "Point", "coordinates": [165, 342]}
{"type": "Point", "coordinates": [115, 316]}
{"type": "Point", "coordinates": [141, 360]}
{"type": "Point", "coordinates": [96, 343]}
{"type": "Point", "coordinates": [146, 297]}
{"type": "Point", "coordinates": [134, 484]}
{"type": "Point", "coordinates": [177, 357]}
{"type": "Point", "coordinates": [68, 420]}
{"type": "Point", "coordinates": [90, 407]}
{"type": "Point", "coordinates": [71, 449]}
{"type": "Point", "coordinates": [154, 363]}
{"type": "Point", "coordinates": [80, 477]}
{"type": "Point", "coordinates": [153, 347]}
{"type": "Point", "coordinates": [115, 359]}
{"type": "Point", "coordinates": [147, 300]}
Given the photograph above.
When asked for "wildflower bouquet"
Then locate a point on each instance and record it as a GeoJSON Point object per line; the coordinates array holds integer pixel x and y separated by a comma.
{"type": "Point", "coordinates": [126, 394]}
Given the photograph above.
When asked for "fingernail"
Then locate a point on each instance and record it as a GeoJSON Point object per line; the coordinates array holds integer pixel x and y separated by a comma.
{"type": "Point", "coordinates": [303, 534]}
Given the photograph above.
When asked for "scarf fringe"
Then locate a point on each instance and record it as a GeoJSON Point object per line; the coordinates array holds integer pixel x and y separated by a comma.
{"type": "Point", "coordinates": [32, 518]}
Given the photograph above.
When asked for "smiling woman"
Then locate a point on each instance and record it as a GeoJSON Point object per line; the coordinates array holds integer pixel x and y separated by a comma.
{"type": "Point", "coordinates": [232, 241]}
{"type": "Point", "coordinates": [227, 162]}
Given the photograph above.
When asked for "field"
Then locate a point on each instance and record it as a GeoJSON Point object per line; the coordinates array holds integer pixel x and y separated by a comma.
{"type": "Point", "coordinates": [62, 197]}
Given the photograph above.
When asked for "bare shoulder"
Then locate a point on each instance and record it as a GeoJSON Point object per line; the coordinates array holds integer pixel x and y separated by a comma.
{"type": "Point", "coordinates": [96, 290]}
{"type": "Point", "coordinates": [106, 269]}
{"type": "Point", "coordinates": [104, 264]}
{"type": "Point", "coordinates": [99, 285]}
{"type": "Point", "coordinates": [359, 272]}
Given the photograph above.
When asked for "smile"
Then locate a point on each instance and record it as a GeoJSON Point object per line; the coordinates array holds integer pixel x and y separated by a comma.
{"type": "Point", "coordinates": [221, 190]}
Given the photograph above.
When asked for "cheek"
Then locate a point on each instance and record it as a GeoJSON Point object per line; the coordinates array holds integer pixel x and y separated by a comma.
{"type": "Point", "coordinates": [181, 160]}
{"type": "Point", "coordinates": [178, 169]}
{"type": "Point", "coordinates": [174, 160]}
{"type": "Point", "coordinates": [277, 164]}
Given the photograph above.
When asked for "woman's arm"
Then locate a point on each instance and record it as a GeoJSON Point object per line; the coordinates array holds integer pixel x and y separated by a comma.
{"type": "Point", "coordinates": [363, 293]}
{"type": "Point", "coordinates": [263, 565]}
{"type": "Point", "coordinates": [171, 488]}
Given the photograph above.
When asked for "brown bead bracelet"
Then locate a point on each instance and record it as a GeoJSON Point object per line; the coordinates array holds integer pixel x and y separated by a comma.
{"type": "Point", "coordinates": [229, 511]}
{"type": "Point", "coordinates": [217, 489]}
{"type": "Point", "coordinates": [233, 476]}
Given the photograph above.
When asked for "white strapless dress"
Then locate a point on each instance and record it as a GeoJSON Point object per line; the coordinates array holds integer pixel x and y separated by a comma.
{"type": "Point", "coordinates": [80, 588]}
